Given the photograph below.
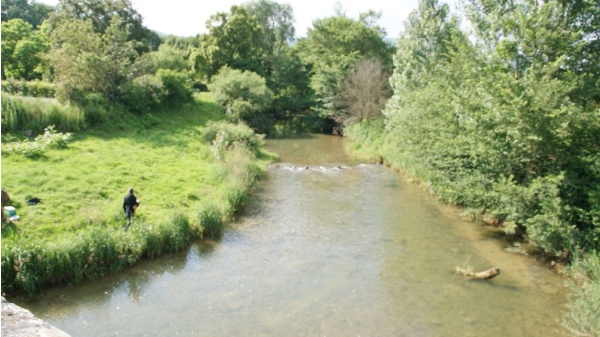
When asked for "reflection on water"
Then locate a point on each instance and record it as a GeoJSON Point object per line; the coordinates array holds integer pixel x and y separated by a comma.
{"type": "Point", "coordinates": [327, 248]}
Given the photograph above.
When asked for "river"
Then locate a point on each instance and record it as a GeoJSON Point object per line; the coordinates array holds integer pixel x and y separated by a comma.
{"type": "Point", "coordinates": [327, 247]}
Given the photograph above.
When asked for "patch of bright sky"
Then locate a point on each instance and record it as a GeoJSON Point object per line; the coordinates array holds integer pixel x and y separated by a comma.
{"type": "Point", "coordinates": [188, 17]}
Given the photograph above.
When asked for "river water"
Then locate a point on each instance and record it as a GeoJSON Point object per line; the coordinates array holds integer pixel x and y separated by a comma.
{"type": "Point", "coordinates": [327, 247]}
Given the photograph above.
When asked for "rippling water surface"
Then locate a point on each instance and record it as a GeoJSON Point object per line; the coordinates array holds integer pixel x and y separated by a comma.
{"type": "Point", "coordinates": [327, 247]}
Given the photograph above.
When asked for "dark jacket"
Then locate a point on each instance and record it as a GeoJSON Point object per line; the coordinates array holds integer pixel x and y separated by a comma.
{"type": "Point", "coordinates": [129, 204]}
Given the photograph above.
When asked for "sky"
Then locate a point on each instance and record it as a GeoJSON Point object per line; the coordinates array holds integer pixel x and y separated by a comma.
{"type": "Point", "coordinates": [188, 17]}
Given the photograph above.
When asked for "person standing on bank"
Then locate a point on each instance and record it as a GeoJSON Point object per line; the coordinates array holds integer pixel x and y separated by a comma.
{"type": "Point", "coordinates": [130, 203]}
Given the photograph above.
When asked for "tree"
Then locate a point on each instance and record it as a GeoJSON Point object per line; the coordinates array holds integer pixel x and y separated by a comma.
{"type": "Point", "coordinates": [31, 12]}
{"type": "Point", "coordinates": [525, 33]}
{"type": "Point", "coordinates": [118, 53]}
{"type": "Point", "coordinates": [277, 23]}
{"type": "Point", "coordinates": [285, 74]}
{"type": "Point", "coordinates": [233, 40]}
{"type": "Point", "coordinates": [491, 124]}
{"type": "Point", "coordinates": [424, 44]}
{"type": "Point", "coordinates": [364, 92]}
{"type": "Point", "coordinates": [100, 14]}
{"type": "Point", "coordinates": [78, 58]}
{"type": "Point", "coordinates": [244, 95]}
{"type": "Point", "coordinates": [290, 82]}
{"type": "Point", "coordinates": [22, 50]}
{"type": "Point", "coordinates": [332, 48]}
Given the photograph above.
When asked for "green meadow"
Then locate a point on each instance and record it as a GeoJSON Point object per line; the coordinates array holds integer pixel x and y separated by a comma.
{"type": "Point", "coordinates": [186, 191]}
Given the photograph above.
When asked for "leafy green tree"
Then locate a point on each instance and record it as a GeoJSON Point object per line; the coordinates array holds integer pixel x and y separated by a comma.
{"type": "Point", "coordinates": [290, 83]}
{"type": "Point", "coordinates": [332, 48]}
{"type": "Point", "coordinates": [525, 34]}
{"type": "Point", "coordinates": [188, 46]}
{"type": "Point", "coordinates": [281, 66]}
{"type": "Point", "coordinates": [233, 40]}
{"type": "Point", "coordinates": [492, 124]}
{"type": "Point", "coordinates": [28, 62]}
{"type": "Point", "coordinates": [32, 12]}
{"type": "Point", "coordinates": [13, 31]}
{"type": "Point", "coordinates": [424, 44]}
{"type": "Point", "coordinates": [244, 95]}
{"type": "Point", "coordinates": [22, 50]}
{"type": "Point", "coordinates": [118, 54]}
{"type": "Point", "coordinates": [100, 14]}
{"type": "Point", "coordinates": [78, 59]}
{"type": "Point", "coordinates": [277, 23]}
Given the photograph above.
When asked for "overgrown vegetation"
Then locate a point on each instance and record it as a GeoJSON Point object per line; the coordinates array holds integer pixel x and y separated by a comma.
{"type": "Point", "coordinates": [244, 95]}
{"type": "Point", "coordinates": [50, 139]}
{"type": "Point", "coordinates": [504, 121]}
{"type": "Point", "coordinates": [76, 232]}
{"type": "Point", "coordinates": [101, 50]}
{"type": "Point", "coordinates": [20, 114]}
{"type": "Point", "coordinates": [582, 318]}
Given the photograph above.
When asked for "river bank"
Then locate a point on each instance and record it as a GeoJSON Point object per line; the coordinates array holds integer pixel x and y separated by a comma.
{"type": "Point", "coordinates": [325, 246]}
{"type": "Point", "coordinates": [579, 267]}
{"type": "Point", "coordinates": [76, 231]}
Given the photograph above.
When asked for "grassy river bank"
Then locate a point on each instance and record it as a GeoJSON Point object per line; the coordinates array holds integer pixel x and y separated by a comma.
{"type": "Point", "coordinates": [369, 140]}
{"type": "Point", "coordinates": [188, 185]}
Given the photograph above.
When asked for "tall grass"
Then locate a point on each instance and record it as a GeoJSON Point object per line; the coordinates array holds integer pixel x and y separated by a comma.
{"type": "Point", "coordinates": [27, 113]}
{"type": "Point", "coordinates": [76, 232]}
{"type": "Point", "coordinates": [582, 318]}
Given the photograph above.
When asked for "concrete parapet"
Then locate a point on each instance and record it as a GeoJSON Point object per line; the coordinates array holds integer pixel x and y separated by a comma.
{"type": "Point", "coordinates": [17, 321]}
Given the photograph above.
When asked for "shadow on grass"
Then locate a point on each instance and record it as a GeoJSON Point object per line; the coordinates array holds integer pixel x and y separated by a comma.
{"type": "Point", "coordinates": [162, 128]}
{"type": "Point", "coordinates": [9, 229]}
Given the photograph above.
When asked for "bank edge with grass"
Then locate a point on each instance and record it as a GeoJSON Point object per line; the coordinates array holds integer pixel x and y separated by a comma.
{"type": "Point", "coordinates": [369, 140]}
{"type": "Point", "coordinates": [30, 263]}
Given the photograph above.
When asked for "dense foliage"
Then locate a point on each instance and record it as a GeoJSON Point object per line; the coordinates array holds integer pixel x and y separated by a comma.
{"type": "Point", "coordinates": [245, 96]}
{"type": "Point", "coordinates": [504, 120]}
{"type": "Point", "coordinates": [332, 49]}
{"type": "Point", "coordinates": [22, 49]}
{"type": "Point", "coordinates": [495, 124]}
{"type": "Point", "coordinates": [94, 51]}
{"type": "Point", "coordinates": [496, 111]}
{"type": "Point", "coordinates": [32, 12]}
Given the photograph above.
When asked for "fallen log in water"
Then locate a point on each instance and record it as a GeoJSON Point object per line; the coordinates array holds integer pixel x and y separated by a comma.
{"type": "Point", "coordinates": [482, 275]}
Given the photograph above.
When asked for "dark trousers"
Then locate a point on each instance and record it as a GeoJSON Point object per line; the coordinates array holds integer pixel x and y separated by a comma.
{"type": "Point", "coordinates": [129, 213]}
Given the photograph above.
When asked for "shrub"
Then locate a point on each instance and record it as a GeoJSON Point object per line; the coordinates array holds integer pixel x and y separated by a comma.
{"type": "Point", "coordinates": [142, 94]}
{"type": "Point", "coordinates": [176, 87]}
{"type": "Point", "coordinates": [223, 135]}
{"type": "Point", "coordinates": [244, 95]}
{"type": "Point", "coordinates": [32, 149]}
{"type": "Point", "coordinates": [34, 88]}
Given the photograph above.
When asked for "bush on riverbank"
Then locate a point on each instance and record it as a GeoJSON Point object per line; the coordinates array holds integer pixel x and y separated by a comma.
{"type": "Point", "coordinates": [76, 232]}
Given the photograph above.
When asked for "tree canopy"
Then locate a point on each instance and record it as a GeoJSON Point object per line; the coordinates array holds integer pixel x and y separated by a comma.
{"type": "Point", "coordinates": [504, 121]}
{"type": "Point", "coordinates": [332, 48]}
{"type": "Point", "coordinates": [32, 12]}
{"type": "Point", "coordinates": [233, 40]}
